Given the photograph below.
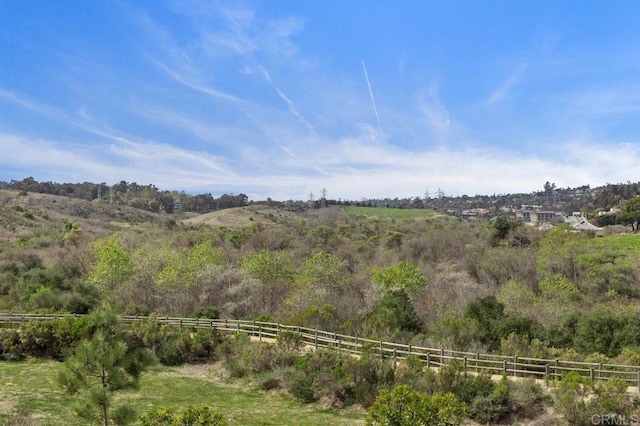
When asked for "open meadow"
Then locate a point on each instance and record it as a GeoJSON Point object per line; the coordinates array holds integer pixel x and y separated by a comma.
{"type": "Point", "coordinates": [33, 384]}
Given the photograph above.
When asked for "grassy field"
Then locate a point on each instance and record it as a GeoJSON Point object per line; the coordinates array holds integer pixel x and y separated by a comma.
{"type": "Point", "coordinates": [33, 384]}
{"type": "Point", "coordinates": [397, 213]}
{"type": "Point", "coordinates": [628, 241]}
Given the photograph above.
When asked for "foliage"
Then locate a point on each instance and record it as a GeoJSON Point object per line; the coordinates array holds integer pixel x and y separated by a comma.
{"type": "Point", "coordinates": [289, 340]}
{"type": "Point", "coordinates": [274, 273]}
{"type": "Point", "coordinates": [402, 406]}
{"type": "Point", "coordinates": [404, 276]}
{"type": "Point", "coordinates": [501, 229]}
{"type": "Point", "coordinates": [184, 268]}
{"type": "Point", "coordinates": [572, 398]}
{"type": "Point", "coordinates": [494, 325]}
{"type": "Point", "coordinates": [101, 366]}
{"type": "Point", "coordinates": [394, 313]}
{"type": "Point", "coordinates": [630, 214]}
{"type": "Point", "coordinates": [190, 416]}
{"type": "Point", "coordinates": [114, 263]}
{"type": "Point", "coordinates": [45, 339]}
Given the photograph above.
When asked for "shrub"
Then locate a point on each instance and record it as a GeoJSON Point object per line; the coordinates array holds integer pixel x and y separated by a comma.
{"type": "Point", "coordinates": [527, 399]}
{"type": "Point", "coordinates": [302, 386]}
{"type": "Point", "coordinates": [180, 346]}
{"type": "Point", "coordinates": [191, 416]}
{"type": "Point", "coordinates": [403, 406]}
{"type": "Point", "coordinates": [49, 339]}
{"type": "Point", "coordinates": [289, 340]}
{"type": "Point", "coordinates": [208, 312]}
{"type": "Point", "coordinates": [362, 378]}
{"type": "Point", "coordinates": [572, 398]}
{"type": "Point", "coordinates": [494, 407]}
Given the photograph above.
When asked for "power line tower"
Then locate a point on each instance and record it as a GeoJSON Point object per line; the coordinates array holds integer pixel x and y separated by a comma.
{"type": "Point", "coordinates": [441, 198]}
{"type": "Point", "coordinates": [426, 197]}
{"type": "Point", "coordinates": [323, 200]}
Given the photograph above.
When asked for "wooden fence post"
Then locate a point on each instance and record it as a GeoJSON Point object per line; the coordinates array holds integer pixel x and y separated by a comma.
{"type": "Point", "coordinates": [504, 367]}
{"type": "Point", "coordinates": [600, 371]}
{"type": "Point", "coordinates": [546, 374]}
{"type": "Point", "coordinates": [315, 343]}
{"type": "Point", "coordinates": [477, 361]}
{"type": "Point", "coordinates": [260, 332]}
{"type": "Point", "coordinates": [515, 366]}
{"type": "Point", "coordinates": [429, 361]}
{"type": "Point", "coordinates": [465, 366]}
{"type": "Point", "coordinates": [394, 359]}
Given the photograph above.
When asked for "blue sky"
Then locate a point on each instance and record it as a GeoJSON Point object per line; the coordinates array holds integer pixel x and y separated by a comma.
{"type": "Point", "coordinates": [367, 99]}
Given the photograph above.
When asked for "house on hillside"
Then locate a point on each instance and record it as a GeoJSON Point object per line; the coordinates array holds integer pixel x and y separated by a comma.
{"type": "Point", "coordinates": [534, 216]}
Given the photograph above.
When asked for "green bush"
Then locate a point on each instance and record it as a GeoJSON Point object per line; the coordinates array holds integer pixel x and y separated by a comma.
{"type": "Point", "coordinates": [363, 377]}
{"type": "Point", "coordinates": [177, 347]}
{"type": "Point", "coordinates": [48, 339]}
{"type": "Point", "coordinates": [412, 372]}
{"type": "Point", "coordinates": [494, 407]}
{"type": "Point", "coordinates": [302, 387]}
{"type": "Point", "coordinates": [403, 406]}
{"type": "Point", "coordinates": [191, 416]}
{"type": "Point", "coordinates": [527, 399]}
{"type": "Point", "coordinates": [208, 312]}
{"type": "Point", "coordinates": [289, 340]}
{"type": "Point", "coordinates": [573, 398]}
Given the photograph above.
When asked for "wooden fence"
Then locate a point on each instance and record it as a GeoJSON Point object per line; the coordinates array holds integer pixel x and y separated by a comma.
{"type": "Point", "coordinates": [472, 362]}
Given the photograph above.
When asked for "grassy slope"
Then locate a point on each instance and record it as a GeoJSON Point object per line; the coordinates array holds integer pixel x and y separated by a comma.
{"type": "Point", "coordinates": [397, 213]}
{"type": "Point", "coordinates": [34, 383]}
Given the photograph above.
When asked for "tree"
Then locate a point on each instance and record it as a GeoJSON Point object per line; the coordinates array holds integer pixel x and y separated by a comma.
{"type": "Point", "coordinates": [403, 276]}
{"type": "Point", "coordinates": [114, 264]}
{"type": "Point", "coordinates": [319, 287]}
{"type": "Point", "coordinates": [630, 214]}
{"type": "Point", "coordinates": [274, 272]}
{"type": "Point", "coordinates": [101, 366]}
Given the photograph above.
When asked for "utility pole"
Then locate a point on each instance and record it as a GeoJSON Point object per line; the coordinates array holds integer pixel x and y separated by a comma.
{"type": "Point", "coordinates": [441, 198]}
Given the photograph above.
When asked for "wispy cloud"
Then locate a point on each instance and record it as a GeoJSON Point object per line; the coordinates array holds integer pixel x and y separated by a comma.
{"type": "Point", "coordinates": [513, 79]}
{"type": "Point", "coordinates": [295, 112]}
{"type": "Point", "coordinates": [200, 88]}
{"type": "Point", "coordinates": [435, 111]}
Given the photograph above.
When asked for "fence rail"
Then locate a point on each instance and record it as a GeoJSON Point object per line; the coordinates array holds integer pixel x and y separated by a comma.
{"type": "Point", "coordinates": [472, 362]}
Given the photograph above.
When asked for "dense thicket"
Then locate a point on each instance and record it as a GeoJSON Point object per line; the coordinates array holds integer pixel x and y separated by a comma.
{"type": "Point", "coordinates": [482, 286]}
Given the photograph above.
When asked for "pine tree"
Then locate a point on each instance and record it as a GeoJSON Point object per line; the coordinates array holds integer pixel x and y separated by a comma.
{"type": "Point", "coordinates": [101, 366]}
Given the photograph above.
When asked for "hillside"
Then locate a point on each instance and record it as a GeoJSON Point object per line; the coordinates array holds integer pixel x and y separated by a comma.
{"type": "Point", "coordinates": [397, 275]}
{"type": "Point", "coordinates": [241, 217]}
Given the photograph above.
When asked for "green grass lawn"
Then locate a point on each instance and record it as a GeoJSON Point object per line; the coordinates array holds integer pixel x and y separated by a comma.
{"type": "Point", "coordinates": [397, 213]}
{"type": "Point", "coordinates": [33, 384]}
{"type": "Point", "coordinates": [628, 241]}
